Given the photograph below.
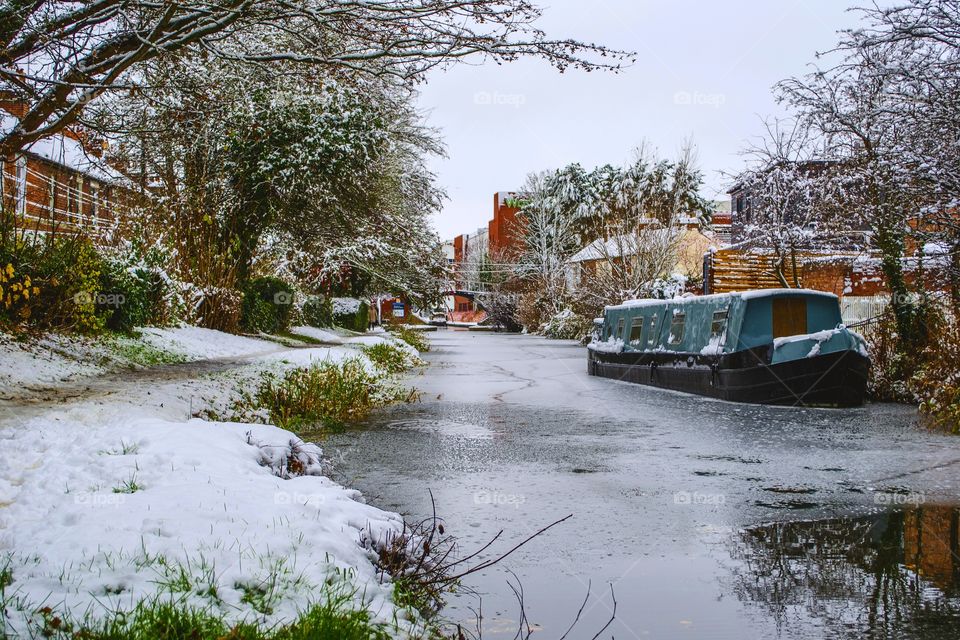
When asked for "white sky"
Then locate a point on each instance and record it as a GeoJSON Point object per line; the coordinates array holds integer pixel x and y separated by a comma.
{"type": "Point", "coordinates": [502, 122]}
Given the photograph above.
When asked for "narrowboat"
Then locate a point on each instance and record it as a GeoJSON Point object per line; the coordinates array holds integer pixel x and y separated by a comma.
{"type": "Point", "coordinates": [769, 346]}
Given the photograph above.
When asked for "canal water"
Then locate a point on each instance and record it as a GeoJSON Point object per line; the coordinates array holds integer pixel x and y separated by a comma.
{"type": "Point", "coordinates": [693, 518]}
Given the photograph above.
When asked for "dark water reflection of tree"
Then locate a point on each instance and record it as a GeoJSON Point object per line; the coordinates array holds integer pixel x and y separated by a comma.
{"type": "Point", "coordinates": [892, 575]}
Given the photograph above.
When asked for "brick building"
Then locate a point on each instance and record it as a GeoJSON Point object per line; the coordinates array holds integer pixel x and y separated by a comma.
{"type": "Point", "coordinates": [499, 241]}
{"type": "Point", "coordinates": [62, 184]}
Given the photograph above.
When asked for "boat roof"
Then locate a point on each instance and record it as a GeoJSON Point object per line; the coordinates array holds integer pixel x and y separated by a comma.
{"type": "Point", "coordinates": [743, 295]}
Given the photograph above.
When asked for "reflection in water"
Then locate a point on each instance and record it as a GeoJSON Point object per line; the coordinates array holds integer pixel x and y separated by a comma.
{"type": "Point", "coordinates": [891, 575]}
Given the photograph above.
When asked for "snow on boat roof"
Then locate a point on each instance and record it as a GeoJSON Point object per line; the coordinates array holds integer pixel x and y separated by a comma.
{"type": "Point", "coordinates": [762, 293]}
{"type": "Point", "coordinates": [743, 295]}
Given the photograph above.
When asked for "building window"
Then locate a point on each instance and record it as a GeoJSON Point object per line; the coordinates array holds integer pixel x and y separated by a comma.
{"type": "Point", "coordinates": [620, 324]}
{"type": "Point", "coordinates": [20, 195]}
{"type": "Point", "coordinates": [52, 196]}
{"type": "Point", "coordinates": [94, 201]}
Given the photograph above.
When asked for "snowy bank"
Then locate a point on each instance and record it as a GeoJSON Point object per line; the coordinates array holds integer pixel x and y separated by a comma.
{"type": "Point", "coordinates": [97, 515]}
{"type": "Point", "coordinates": [118, 495]}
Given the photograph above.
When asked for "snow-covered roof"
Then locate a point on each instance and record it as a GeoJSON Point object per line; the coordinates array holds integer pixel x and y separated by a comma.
{"type": "Point", "coordinates": [600, 249]}
{"type": "Point", "coordinates": [67, 152]}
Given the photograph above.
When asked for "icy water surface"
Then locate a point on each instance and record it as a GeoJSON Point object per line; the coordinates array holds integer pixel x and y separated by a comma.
{"type": "Point", "coordinates": [708, 519]}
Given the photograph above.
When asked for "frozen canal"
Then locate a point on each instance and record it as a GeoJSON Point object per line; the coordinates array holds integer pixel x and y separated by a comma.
{"type": "Point", "coordinates": [710, 519]}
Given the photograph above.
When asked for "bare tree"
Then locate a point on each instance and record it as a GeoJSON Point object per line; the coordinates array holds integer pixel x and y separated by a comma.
{"type": "Point", "coordinates": [56, 57]}
{"type": "Point", "coordinates": [794, 194]}
{"type": "Point", "coordinates": [630, 264]}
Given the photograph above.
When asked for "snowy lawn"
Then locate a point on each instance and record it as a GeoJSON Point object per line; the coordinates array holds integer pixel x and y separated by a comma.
{"type": "Point", "coordinates": [109, 501]}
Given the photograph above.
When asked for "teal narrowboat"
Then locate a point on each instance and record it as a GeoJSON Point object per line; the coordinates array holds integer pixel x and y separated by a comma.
{"type": "Point", "coordinates": [769, 346]}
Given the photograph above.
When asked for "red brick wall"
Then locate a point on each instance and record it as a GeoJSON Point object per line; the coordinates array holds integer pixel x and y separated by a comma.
{"type": "Point", "coordinates": [503, 232]}
{"type": "Point", "coordinates": [61, 199]}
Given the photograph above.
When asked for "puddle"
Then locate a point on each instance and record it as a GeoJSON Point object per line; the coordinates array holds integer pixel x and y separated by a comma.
{"type": "Point", "coordinates": [891, 575]}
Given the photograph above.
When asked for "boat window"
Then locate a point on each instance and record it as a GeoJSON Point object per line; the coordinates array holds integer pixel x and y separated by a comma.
{"type": "Point", "coordinates": [789, 317]}
{"type": "Point", "coordinates": [719, 323]}
{"type": "Point", "coordinates": [677, 327]}
{"type": "Point", "coordinates": [652, 330]}
{"type": "Point", "coordinates": [620, 329]}
{"type": "Point", "coordinates": [636, 328]}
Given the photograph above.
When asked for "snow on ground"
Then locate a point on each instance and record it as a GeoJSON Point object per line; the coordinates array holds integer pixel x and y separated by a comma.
{"type": "Point", "coordinates": [351, 338]}
{"type": "Point", "coordinates": [324, 335]}
{"type": "Point", "coordinates": [43, 361]}
{"type": "Point", "coordinates": [197, 343]}
{"type": "Point", "coordinates": [103, 500]}
{"type": "Point", "coordinates": [202, 500]}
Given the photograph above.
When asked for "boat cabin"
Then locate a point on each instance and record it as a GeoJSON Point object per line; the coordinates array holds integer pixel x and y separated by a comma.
{"type": "Point", "coordinates": [721, 323]}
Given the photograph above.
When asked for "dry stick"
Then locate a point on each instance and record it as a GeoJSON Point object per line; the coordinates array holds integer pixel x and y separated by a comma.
{"type": "Point", "coordinates": [426, 545]}
{"type": "Point", "coordinates": [580, 612]}
{"type": "Point", "coordinates": [478, 551]}
{"type": "Point", "coordinates": [524, 621]}
{"type": "Point", "coordinates": [490, 563]}
{"type": "Point", "coordinates": [613, 614]}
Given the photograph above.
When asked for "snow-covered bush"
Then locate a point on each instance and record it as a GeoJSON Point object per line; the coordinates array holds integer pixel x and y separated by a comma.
{"type": "Point", "coordinates": [50, 283]}
{"type": "Point", "coordinates": [664, 288]}
{"type": "Point", "coordinates": [317, 311]}
{"type": "Point", "coordinates": [937, 382]}
{"type": "Point", "coordinates": [351, 313]}
{"type": "Point", "coordinates": [326, 395]}
{"type": "Point", "coordinates": [267, 305]}
{"type": "Point", "coordinates": [217, 308]}
{"type": "Point", "coordinates": [390, 357]}
{"type": "Point", "coordinates": [132, 296]}
{"type": "Point", "coordinates": [567, 325]}
{"type": "Point", "coordinates": [412, 337]}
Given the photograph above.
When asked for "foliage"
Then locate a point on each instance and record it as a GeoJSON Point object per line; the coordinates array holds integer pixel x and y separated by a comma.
{"type": "Point", "coordinates": [94, 49]}
{"type": "Point", "coordinates": [501, 305]}
{"type": "Point", "coordinates": [391, 358]}
{"type": "Point", "coordinates": [326, 395]}
{"type": "Point", "coordinates": [351, 314]}
{"type": "Point", "coordinates": [132, 297]}
{"type": "Point", "coordinates": [220, 308]}
{"type": "Point", "coordinates": [416, 339]}
{"type": "Point", "coordinates": [926, 372]}
{"type": "Point", "coordinates": [567, 325]}
{"type": "Point", "coordinates": [63, 275]}
{"type": "Point", "coordinates": [333, 618]}
{"type": "Point", "coordinates": [627, 219]}
{"type": "Point", "coordinates": [267, 304]}
{"type": "Point", "coordinates": [317, 311]}
{"type": "Point", "coordinates": [937, 382]}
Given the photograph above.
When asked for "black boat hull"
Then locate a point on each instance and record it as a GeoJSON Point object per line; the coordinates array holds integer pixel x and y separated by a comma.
{"type": "Point", "coordinates": [833, 379]}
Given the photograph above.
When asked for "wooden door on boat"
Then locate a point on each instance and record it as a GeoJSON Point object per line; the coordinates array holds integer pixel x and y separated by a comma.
{"type": "Point", "coordinates": [789, 317]}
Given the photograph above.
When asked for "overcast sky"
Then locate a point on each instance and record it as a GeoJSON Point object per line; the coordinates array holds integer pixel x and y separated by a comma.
{"type": "Point", "coordinates": [704, 70]}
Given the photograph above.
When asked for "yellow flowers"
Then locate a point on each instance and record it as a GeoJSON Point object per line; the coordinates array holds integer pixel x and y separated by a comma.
{"type": "Point", "coordinates": [16, 293]}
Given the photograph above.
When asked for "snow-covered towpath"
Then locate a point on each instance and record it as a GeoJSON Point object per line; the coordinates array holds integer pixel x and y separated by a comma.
{"type": "Point", "coordinates": [111, 492]}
